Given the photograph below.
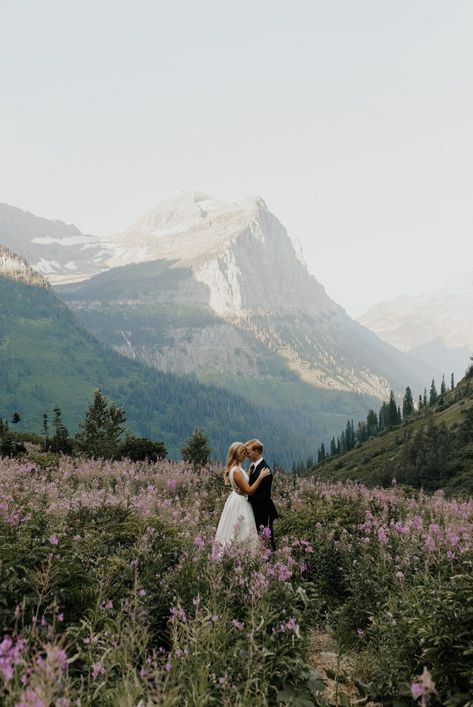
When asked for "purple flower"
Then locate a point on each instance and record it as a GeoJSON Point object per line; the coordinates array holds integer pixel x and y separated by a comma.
{"type": "Point", "coordinates": [97, 669]}
{"type": "Point", "coordinates": [53, 539]}
{"type": "Point", "coordinates": [266, 533]}
{"type": "Point", "coordinates": [239, 625]}
{"type": "Point", "coordinates": [417, 690]}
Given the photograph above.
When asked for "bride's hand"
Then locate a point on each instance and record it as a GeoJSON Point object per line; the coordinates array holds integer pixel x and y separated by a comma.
{"type": "Point", "coordinates": [265, 472]}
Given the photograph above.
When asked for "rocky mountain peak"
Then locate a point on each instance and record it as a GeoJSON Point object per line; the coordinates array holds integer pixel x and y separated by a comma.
{"type": "Point", "coordinates": [240, 252]}
{"type": "Point", "coordinates": [15, 267]}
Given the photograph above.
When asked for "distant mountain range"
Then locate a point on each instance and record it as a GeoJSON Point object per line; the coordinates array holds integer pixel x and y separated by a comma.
{"type": "Point", "coordinates": [48, 359]}
{"type": "Point", "coordinates": [219, 291]}
{"type": "Point", "coordinates": [234, 267]}
{"type": "Point", "coordinates": [57, 250]}
{"type": "Point", "coordinates": [435, 327]}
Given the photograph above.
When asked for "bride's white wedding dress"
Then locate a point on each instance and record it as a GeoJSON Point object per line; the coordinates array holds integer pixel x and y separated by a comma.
{"type": "Point", "coordinates": [237, 522]}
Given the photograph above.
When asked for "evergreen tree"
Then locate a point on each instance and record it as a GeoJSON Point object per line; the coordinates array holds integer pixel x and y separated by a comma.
{"type": "Point", "coordinates": [425, 400]}
{"type": "Point", "coordinates": [45, 430]}
{"type": "Point", "coordinates": [322, 452]}
{"type": "Point", "coordinates": [361, 434]}
{"type": "Point", "coordinates": [333, 447]}
{"type": "Point", "coordinates": [443, 386]}
{"type": "Point", "coordinates": [60, 442]}
{"type": "Point", "coordinates": [16, 417]}
{"type": "Point", "coordinates": [420, 404]}
{"type": "Point", "coordinates": [452, 382]}
{"type": "Point", "coordinates": [100, 432]}
{"type": "Point", "coordinates": [383, 417]}
{"type": "Point", "coordinates": [433, 397]}
{"type": "Point", "coordinates": [141, 449]}
{"type": "Point", "coordinates": [372, 424]}
{"type": "Point", "coordinates": [197, 450]}
{"type": "Point", "coordinates": [349, 441]}
{"type": "Point", "coordinates": [392, 410]}
{"type": "Point", "coordinates": [343, 446]}
{"type": "Point", "coordinates": [407, 403]}
{"type": "Point", "coordinates": [3, 427]}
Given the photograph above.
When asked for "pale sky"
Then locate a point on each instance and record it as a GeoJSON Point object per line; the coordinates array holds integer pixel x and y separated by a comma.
{"type": "Point", "coordinates": [353, 119]}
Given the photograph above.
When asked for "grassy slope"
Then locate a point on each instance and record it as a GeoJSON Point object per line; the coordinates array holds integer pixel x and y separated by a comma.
{"type": "Point", "coordinates": [375, 461]}
{"type": "Point", "coordinates": [47, 358]}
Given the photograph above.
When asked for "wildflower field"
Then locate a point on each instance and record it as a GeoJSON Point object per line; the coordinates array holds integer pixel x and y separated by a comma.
{"type": "Point", "coordinates": [113, 592]}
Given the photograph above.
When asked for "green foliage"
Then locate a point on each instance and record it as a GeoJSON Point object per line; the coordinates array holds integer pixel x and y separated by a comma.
{"type": "Point", "coordinates": [142, 449]}
{"type": "Point", "coordinates": [100, 433]}
{"type": "Point", "coordinates": [407, 403]}
{"type": "Point", "coordinates": [197, 450]}
{"type": "Point", "coordinates": [47, 359]}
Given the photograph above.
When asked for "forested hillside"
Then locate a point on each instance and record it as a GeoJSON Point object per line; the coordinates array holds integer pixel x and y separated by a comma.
{"type": "Point", "coordinates": [48, 359]}
{"type": "Point", "coordinates": [430, 448]}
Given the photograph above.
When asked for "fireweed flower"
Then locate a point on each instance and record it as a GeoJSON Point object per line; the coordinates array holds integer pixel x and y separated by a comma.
{"type": "Point", "coordinates": [53, 539]}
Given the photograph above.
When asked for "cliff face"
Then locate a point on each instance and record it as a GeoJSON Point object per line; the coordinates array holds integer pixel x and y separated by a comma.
{"type": "Point", "coordinates": [237, 263]}
{"type": "Point", "coordinates": [240, 252]}
{"type": "Point", "coordinates": [14, 267]}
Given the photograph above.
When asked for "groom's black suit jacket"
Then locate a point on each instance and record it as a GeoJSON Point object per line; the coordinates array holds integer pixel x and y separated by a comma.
{"type": "Point", "coordinates": [261, 501]}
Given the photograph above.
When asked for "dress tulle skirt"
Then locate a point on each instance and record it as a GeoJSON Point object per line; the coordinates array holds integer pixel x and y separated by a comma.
{"type": "Point", "coordinates": [237, 523]}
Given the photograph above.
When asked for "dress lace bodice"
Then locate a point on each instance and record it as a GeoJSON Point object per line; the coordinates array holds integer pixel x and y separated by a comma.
{"type": "Point", "coordinates": [230, 476]}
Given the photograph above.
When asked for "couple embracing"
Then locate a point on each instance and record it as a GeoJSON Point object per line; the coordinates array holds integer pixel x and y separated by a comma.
{"type": "Point", "coordinates": [249, 509]}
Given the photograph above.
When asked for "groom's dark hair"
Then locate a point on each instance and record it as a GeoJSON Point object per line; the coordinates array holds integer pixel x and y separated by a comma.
{"type": "Point", "coordinates": [255, 444]}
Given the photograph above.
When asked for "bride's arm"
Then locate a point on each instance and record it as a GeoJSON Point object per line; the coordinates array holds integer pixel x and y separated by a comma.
{"type": "Point", "coordinates": [243, 484]}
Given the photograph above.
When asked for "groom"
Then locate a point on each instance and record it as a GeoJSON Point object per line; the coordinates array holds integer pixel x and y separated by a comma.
{"type": "Point", "coordinates": [261, 501]}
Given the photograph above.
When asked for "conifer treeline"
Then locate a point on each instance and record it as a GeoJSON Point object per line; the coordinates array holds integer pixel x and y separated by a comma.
{"type": "Point", "coordinates": [390, 415]}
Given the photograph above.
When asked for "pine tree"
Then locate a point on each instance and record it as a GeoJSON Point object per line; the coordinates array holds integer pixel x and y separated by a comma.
{"type": "Point", "coordinates": [382, 417]}
{"type": "Point", "coordinates": [45, 430]}
{"type": "Point", "coordinates": [16, 417]}
{"type": "Point", "coordinates": [343, 446]}
{"type": "Point", "coordinates": [372, 423]}
{"type": "Point", "coordinates": [392, 410]}
{"type": "Point", "coordinates": [452, 382]}
{"type": "Point", "coordinates": [349, 442]}
{"type": "Point", "coordinates": [100, 432]}
{"type": "Point", "coordinates": [60, 442]}
{"type": "Point", "coordinates": [443, 386]}
{"type": "Point", "coordinates": [333, 447]}
{"type": "Point", "coordinates": [322, 452]}
{"type": "Point", "coordinates": [407, 403]}
{"type": "Point", "coordinates": [425, 400]}
{"type": "Point", "coordinates": [420, 404]}
{"type": "Point", "coordinates": [196, 450]}
{"type": "Point", "coordinates": [433, 397]}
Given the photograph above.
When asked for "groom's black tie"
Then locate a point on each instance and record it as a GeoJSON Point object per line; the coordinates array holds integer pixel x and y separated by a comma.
{"type": "Point", "coordinates": [252, 468]}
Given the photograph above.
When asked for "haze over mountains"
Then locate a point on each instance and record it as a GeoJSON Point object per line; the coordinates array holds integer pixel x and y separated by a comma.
{"type": "Point", "coordinates": [55, 249]}
{"type": "Point", "coordinates": [436, 327]}
{"type": "Point", "coordinates": [237, 266]}
{"type": "Point", "coordinates": [220, 292]}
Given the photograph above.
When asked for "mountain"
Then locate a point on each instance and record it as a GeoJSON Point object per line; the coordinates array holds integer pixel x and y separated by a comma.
{"type": "Point", "coordinates": [48, 359]}
{"type": "Point", "coordinates": [57, 250]}
{"type": "Point", "coordinates": [431, 449]}
{"type": "Point", "coordinates": [435, 327]}
{"type": "Point", "coordinates": [220, 289]}
{"type": "Point", "coordinates": [15, 267]}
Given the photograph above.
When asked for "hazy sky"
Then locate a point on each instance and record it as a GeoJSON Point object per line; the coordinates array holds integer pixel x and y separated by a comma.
{"type": "Point", "coordinates": [353, 119]}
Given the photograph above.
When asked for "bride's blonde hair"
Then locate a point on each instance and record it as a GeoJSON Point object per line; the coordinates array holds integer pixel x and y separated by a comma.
{"type": "Point", "coordinates": [232, 459]}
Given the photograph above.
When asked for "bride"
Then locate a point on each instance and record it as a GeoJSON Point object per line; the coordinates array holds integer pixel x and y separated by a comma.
{"type": "Point", "coordinates": [237, 522]}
